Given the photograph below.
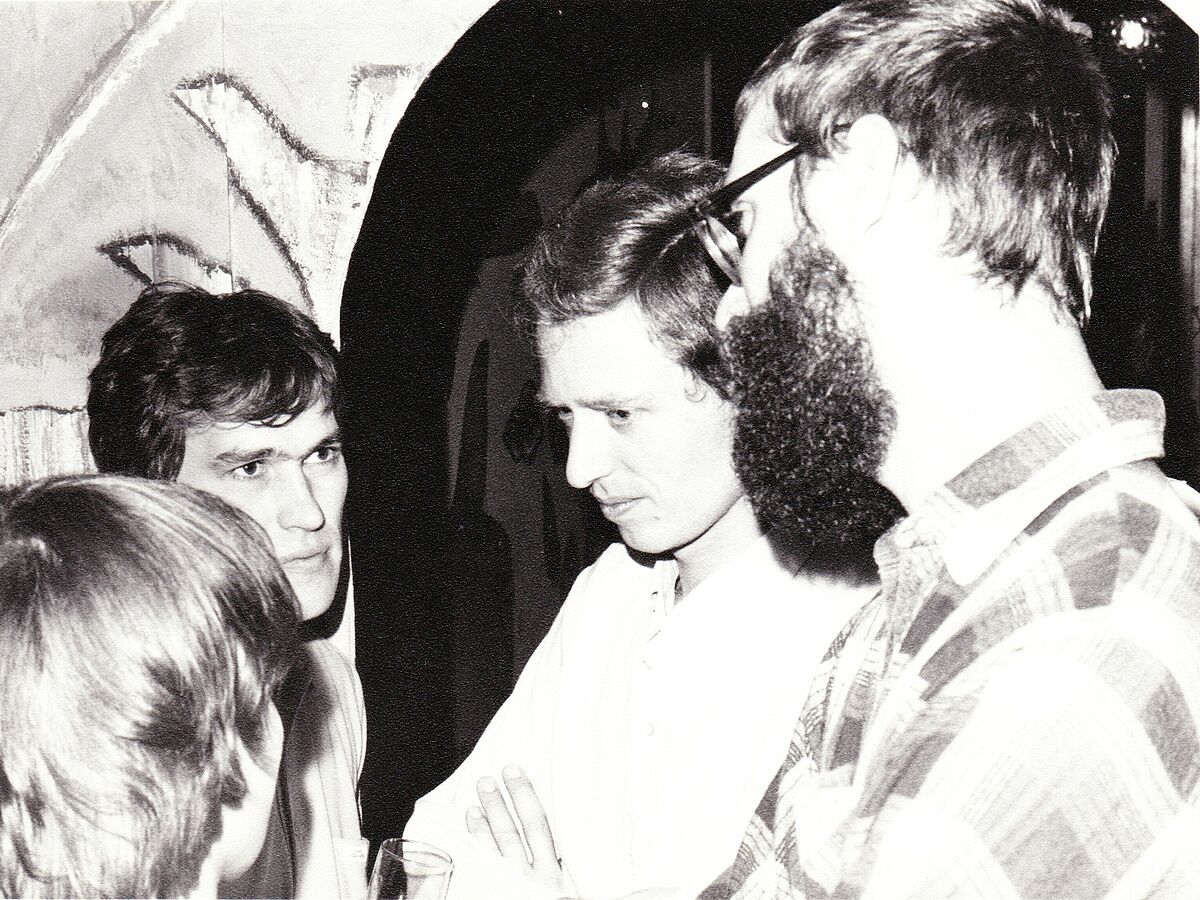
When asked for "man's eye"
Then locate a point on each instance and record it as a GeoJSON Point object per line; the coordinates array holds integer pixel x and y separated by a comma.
{"type": "Point", "coordinates": [249, 470]}
{"type": "Point", "coordinates": [327, 454]}
{"type": "Point", "coordinates": [735, 221]}
{"type": "Point", "coordinates": [618, 415]}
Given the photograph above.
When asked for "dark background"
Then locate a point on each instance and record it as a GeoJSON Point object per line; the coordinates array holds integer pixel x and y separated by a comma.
{"type": "Point", "coordinates": [455, 579]}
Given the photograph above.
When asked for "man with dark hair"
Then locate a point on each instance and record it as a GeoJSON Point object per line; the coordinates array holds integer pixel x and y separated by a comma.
{"type": "Point", "coordinates": [237, 394]}
{"type": "Point", "coordinates": [909, 223]}
{"type": "Point", "coordinates": [672, 662]}
{"type": "Point", "coordinates": [143, 630]}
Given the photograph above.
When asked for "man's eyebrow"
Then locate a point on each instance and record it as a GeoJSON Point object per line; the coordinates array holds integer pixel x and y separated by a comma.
{"type": "Point", "coordinates": [241, 457]}
{"type": "Point", "coordinates": [609, 401]}
{"type": "Point", "coordinates": [334, 437]}
{"type": "Point", "coordinates": [253, 454]}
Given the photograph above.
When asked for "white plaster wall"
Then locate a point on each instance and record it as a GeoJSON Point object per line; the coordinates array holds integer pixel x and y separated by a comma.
{"type": "Point", "coordinates": [222, 143]}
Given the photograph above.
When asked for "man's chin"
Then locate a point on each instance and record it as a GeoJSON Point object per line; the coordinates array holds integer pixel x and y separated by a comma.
{"type": "Point", "coordinates": [641, 542]}
{"type": "Point", "coordinates": [315, 596]}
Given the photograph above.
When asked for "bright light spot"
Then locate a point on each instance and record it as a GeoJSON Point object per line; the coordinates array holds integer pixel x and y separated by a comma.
{"type": "Point", "coordinates": [645, 104]}
{"type": "Point", "coordinates": [1132, 35]}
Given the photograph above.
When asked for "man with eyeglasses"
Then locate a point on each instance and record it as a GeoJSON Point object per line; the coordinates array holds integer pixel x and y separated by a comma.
{"type": "Point", "coordinates": [653, 715]}
{"type": "Point", "coordinates": [909, 224]}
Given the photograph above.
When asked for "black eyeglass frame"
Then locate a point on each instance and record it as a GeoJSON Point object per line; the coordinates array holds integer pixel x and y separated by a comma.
{"type": "Point", "coordinates": [706, 215]}
{"type": "Point", "coordinates": [719, 201]}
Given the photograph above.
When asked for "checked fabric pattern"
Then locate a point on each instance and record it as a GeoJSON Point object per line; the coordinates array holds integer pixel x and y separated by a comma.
{"type": "Point", "coordinates": [1016, 714]}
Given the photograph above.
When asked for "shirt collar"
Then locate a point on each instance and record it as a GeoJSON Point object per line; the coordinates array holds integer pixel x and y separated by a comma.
{"type": "Point", "coordinates": [983, 508]}
{"type": "Point", "coordinates": [759, 555]}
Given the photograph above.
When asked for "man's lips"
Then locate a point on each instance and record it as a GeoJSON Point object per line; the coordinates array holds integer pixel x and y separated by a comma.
{"type": "Point", "coordinates": [615, 507]}
{"type": "Point", "coordinates": [306, 560]}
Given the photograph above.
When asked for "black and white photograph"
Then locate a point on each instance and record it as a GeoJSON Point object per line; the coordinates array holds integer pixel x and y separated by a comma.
{"type": "Point", "coordinates": [600, 449]}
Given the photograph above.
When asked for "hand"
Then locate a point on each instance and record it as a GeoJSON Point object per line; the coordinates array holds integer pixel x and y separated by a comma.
{"type": "Point", "coordinates": [492, 823]}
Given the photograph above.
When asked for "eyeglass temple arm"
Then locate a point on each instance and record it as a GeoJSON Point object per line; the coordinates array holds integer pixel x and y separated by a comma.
{"type": "Point", "coordinates": [725, 195]}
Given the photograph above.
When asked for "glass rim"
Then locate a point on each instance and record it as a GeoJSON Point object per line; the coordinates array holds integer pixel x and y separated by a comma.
{"type": "Point", "coordinates": [419, 852]}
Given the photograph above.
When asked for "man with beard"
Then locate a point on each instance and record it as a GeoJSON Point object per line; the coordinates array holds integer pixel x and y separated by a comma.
{"type": "Point", "coordinates": [674, 659]}
{"type": "Point", "coordinates": [917, 189]}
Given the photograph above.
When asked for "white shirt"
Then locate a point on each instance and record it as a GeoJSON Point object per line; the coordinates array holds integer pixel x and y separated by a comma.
{"type": "Point", "coordinates": [650, 730]}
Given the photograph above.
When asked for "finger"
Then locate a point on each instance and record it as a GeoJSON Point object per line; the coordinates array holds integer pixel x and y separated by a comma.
{"type": "Point", "coordinates": [500, 821]}
{"type": "Point", "coordinates": [532, 818]}
{"type": "Point", "coordinates": [477, 827]}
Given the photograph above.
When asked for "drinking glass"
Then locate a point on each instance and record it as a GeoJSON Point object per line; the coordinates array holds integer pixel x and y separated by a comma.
{"type": "Point", "coordinates": [410, 870]}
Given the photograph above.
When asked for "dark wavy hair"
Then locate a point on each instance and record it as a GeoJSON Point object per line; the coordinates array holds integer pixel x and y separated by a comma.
{"type": "Point", "coordinates": [143, 629]}
{"type": "Point", "coordinates": [182, 357]}
{"type": "Point", "coordinates": [1001, 103]}
{"type": "Point", "coordinates": [629, 238]}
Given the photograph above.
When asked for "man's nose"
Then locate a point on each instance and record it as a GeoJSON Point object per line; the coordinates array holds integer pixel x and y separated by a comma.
{"type": "Point", "coordinates": [588, 458]}
{"type": "Point", "coordinates": [298, 504]}
{"type": "Point", "coordinates": [733, 303]}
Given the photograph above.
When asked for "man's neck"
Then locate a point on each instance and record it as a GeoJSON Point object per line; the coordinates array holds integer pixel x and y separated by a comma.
{"type": "Point", "coordinates": [727, 537]}
{"type": "Point", "coordinates": [998, 365]}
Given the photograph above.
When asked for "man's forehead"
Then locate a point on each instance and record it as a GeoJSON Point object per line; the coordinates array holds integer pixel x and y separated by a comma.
{"type": "Point", "coordinates": [622, 330]}
{"type": "Point", "coordinates": [603, 357]}
{"type": "Point", "coordinates": [623, 322]}
{"type": "Point", "coordinates": [757, 140]}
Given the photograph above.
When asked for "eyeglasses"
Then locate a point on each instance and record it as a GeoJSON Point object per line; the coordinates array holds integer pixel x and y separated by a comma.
{"type": "Point", "coordinates": [709, 215]}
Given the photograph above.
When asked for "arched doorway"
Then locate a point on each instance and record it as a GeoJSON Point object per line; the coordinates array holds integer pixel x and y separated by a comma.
{"type": "Point", "coordinates": [465, 535]}
{"type": "Point", "coordinates": [532, 103]}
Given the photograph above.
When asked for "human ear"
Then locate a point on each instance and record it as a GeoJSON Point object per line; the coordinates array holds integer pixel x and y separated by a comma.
{"type": "Point", "coordinates": [871, 155]}
{"type": "Point", "coordinates": [244, 827]}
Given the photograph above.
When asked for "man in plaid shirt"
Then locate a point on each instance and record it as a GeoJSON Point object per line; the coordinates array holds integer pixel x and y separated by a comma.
{"type": "Point", "coordinates": [908, 225]}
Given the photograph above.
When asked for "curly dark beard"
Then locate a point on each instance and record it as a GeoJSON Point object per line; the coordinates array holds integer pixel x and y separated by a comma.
{"type": "Point", "coordinates": [813, 419]}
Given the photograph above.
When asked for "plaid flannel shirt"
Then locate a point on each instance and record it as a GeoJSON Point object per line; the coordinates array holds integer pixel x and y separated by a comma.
{"type": "Point", "coordinates": [1016, 714]}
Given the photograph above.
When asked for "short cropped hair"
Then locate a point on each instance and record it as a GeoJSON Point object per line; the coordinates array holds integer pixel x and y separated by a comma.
{"type": "Point", "coordinates": [1001, 103]}
{"type": "Point", "coordinates": [143, 628]}
{"type": "Point", "coordinates": [628, 239]}
{"type": "Point", "coordinates": [181, 357]}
